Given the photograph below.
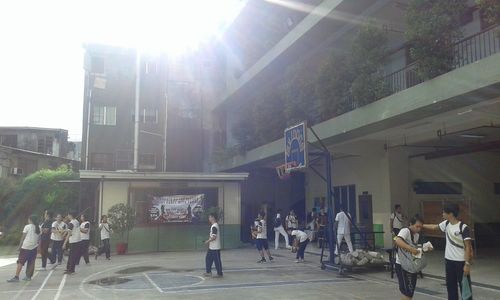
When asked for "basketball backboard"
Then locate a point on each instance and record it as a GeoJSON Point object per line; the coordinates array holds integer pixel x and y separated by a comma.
{"type": "Point", "coordinates": [296, 146]}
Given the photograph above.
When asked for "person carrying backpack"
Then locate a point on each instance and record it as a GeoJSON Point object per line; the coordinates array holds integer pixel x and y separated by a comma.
{"type": "Point", "coordinates": [458, 252]}
{"type": "Point", "coordinates": [406, 242]}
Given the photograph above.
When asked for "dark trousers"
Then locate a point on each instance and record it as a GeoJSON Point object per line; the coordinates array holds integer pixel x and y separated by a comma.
{"type": "Point", "coordinates": [302, 249]}
{"type": "Point", "coordinates": [105, 248]}
{"type": "Point", "coordinates": [74, 256]}
{"type": "Point", "coordinates": [84, 251]}
{"type": "Point", "coordinates": [213, 256]}
{"type": "Point", "coordinates": [57, 252]}
{"type": "Point", "coordinates": [44, 251]}
{"type": "Point", "coordinates": [454, 276]}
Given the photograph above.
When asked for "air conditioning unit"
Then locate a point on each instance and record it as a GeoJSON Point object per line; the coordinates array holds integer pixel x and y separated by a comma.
{"type": "Point", "coordinates": [16, 171]}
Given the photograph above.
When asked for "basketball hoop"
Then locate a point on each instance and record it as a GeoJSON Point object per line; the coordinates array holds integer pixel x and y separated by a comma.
{"type": "Point", "coordinates": [284, 170]}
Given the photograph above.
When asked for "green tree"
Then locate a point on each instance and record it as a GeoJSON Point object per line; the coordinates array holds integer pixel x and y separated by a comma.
{"type": "Point", "coordinates": [333, 85]}
{"type": "Point", "coordinates": [269, 118]}
{"type": "Point", "coordinates": [433, 26]}
{"type": "Point", "coordinates": [299, 94]}
{"type": "Point", "coordinates": [368, 56]}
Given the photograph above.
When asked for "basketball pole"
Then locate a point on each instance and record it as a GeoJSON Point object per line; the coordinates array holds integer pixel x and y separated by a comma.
{"type": "Point", "coordinates": [328, 163]}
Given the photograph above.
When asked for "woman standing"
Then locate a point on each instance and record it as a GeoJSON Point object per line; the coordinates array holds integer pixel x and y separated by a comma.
{"type": "Point", "coordinates": [105, 231]}
{"type": "Point", "coordinates": [57, 237]}
{"type": "Point", "coordinates": [28, 249]}
{"type": "Point", "coordinates": [85, 237]}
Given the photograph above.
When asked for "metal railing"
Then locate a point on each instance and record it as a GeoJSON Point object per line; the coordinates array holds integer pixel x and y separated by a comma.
{"type": "Point", "coordinates": [466, 51]}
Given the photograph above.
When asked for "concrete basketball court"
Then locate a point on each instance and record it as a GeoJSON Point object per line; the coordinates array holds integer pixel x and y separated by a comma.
{"type": "Point", "coordinates": [178, 274]}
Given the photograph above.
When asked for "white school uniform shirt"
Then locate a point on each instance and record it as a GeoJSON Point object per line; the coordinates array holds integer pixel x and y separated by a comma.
{"type": "Point", "coordinates": [405, 234]}
{"type": "Point", "coordinates": [263, 233]}
{"type": "Point", "coordinates": [302, 236]}
{"type": "Point", "coordinates": [214, 232]}
{"type": "Point", "coordinates": [454, 240]}
{"type": "Point", "coordinates": [31, 240]}
{"type": "Point", "coordinates": [85, 236]}
{"type": "Point", "coordinates": [56, 236]}
{"type": "Point", "coordinates": [75, 236]}
{"type": "Point", "coordinates": [344, 225]}
{"type": "Point", "coordinates": [105, 229]}
{"type": "Point", "coordinates": [397, 220]}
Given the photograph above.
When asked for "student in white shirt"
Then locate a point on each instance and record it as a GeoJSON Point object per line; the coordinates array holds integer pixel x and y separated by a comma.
{"type": "Point", "coordinates": [28, 247]}
{"type": "Point", "coordinates": [278, 229]}
{"type": "Point", "coordinates": [57, 237]}
{"type": "Point", "coordinates": [397, 219]}
{"type": "Point", "coordinates": [407, 240]}
{"type": "Point", "coordinates": [105, 231]}
{"type": "Point", "coordinates": [214, 246]}
{"type": "Point", "coordinates": [343, 225]}
{"type": "Point", "coordinates": [302, 239]}
{"type": "Point", "coordinates": [458, 252]}
{"type": "Point", "coordinates": [85, 239]}
{"type": "Point", "coordinates": [74, 239]}
{"type": "Point", "coordinates": [261, 240]}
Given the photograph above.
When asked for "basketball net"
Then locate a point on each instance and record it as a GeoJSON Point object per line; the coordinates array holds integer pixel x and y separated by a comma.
{"type": "Point", "coordinates": [284, 170]}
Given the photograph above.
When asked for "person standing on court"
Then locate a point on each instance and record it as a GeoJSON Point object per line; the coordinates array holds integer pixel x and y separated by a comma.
{"type": "Point", "coordinates": [74, 239]}
{"type": "Point", "coordinates": [458, 251]}
{"type": "Point", "coordinates": [292, 223]}
{"type": "Point", "coordinates": [28, 249]}
{"type": "Point", "coordinates": [57, 237]}
{"type": "Point", "coordinates": [214, 246]}
{"type": "Point", "coordinates": [45, 228]}
{"type": "Point", "coordinates": [105, 231]}
{"type": "Point", "coordinates": [343, 226]}
{"type": "Point", "coordinates": [397, 220]}
{"type": "Point", "coordinates": [278, 229]}
{"type": "Point", "coordinates": [261, 240]}
{"type": "Point", "coordinates": [85, 236]}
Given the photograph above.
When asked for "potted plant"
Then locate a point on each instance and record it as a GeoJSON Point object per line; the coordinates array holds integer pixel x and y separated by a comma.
{"type": "Point", "coordinates": [122, 220]}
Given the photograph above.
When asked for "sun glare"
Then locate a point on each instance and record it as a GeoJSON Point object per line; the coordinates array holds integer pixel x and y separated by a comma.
{"type": "Point", "coordinates": [159, 26]}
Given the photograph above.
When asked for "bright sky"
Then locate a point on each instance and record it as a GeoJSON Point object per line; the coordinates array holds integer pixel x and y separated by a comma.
{"type": "Point", "coordinates": [41, 54]}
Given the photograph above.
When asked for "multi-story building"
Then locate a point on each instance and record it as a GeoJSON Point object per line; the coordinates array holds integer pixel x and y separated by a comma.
{"type": "Point", "coordinates": [25, 150]}
{"type": "Point", "coordinates": [409, 147]}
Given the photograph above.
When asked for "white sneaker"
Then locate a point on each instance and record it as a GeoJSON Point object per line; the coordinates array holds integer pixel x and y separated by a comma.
{"type": "Point", "coordinates": [297, 261]}
{"type": "Point", "coordinates": [289, 247]}
{"type": "Point", "coordinates": [42, 269]}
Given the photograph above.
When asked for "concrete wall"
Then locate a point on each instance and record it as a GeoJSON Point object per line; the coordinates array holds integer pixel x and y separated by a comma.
{"type": "Point", "coordinates": [188, 237]}
{"type": "Point", "coordinates": [368, 170]}
{"type": "Point", "coordinates": [477, 173]}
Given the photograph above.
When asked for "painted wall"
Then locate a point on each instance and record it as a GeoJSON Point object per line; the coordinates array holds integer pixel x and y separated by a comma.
{"type": "Point", "coordinates": [186, 237]}
{"type": "Point", "coordinates": [477, 173]}
{"type": "Point", "coordinates": [369, 171]}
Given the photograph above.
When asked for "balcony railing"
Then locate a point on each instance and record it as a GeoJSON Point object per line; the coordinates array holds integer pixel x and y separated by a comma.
{"type": "Point", "coordinates": [466, 51]}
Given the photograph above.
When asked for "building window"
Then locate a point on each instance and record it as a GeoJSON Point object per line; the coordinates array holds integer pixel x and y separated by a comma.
{"type": "Point", "coordinates": [9, 140]}
{"type": "Point", "coordinates": [104, 115]}
{"type": "Point", "coordinates": [147, 115]}
{"type": "Point", "coordinates": [150, 115]}
{"type": "Point", "coordinates": [45, 145]}
{"type": "Point", "coordinates": [101, 161]}
{"type": "Point", "coordinates": [124, 159]}
{"type": "Point", "coordinates": [151, 67]}
{"type": "Point", "coordinates": [97, 66]}
{"type": "Point", "coordinates": [147, 161]}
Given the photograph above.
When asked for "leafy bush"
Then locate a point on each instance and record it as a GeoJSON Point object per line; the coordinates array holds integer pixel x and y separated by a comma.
{"type": "Point", "coordinates": [433, 26]}
{"type": "Point", "coordinates": [121, 218]}
{"type": "Point", "coordinates": [35, 193]}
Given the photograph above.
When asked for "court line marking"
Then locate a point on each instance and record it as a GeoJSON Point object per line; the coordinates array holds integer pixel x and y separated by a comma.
{"type": "Point", "coordinates": [25, 285]}
{"type": "Point", "coordinates": [15, 291]}
{"type": "Point", "coordinates": [61, 286]}
{"type": "Point", "coordinates": [43, 285]}
{"type": "Point", "coordinates": [81, 288]}
{"type": "Point", "coordinates": [152, 282]}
